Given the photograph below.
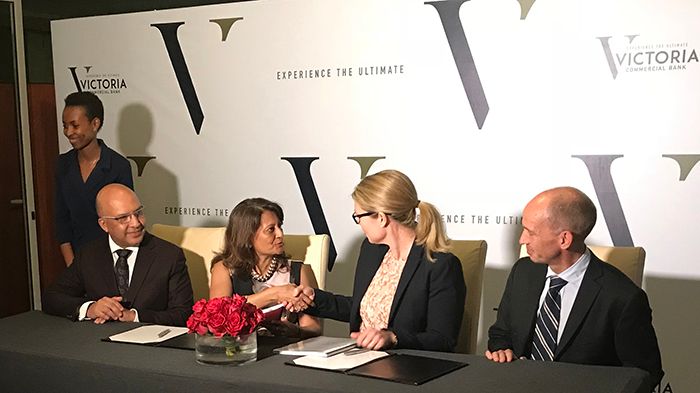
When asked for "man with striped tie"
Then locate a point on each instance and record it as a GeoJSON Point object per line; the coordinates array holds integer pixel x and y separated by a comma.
{"type": "Point", "coordinates": [563, 303]}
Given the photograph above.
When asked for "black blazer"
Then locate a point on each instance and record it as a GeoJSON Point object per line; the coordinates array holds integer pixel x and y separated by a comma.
{"type": "Point", "coordinates": [75, 213]}
{"type": "Point", "coordinates": [609, 324]}
{"type": "Point", "coordinates": [160, 288]}
{"type": "Point", "coordinates": [428, 305]}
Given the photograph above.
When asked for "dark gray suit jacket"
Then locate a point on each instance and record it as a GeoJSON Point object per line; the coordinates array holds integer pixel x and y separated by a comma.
{"type": "Point", "coordinates": [609, 324]}
{"type": "Point", "coordinates": [427, 309]}
{"type": "Point", "coordinates": [160, 288]}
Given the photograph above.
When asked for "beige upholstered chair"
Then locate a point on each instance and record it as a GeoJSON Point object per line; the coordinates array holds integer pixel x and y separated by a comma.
{"type": "Point", "coordinates": [472, 254]}
{"type": "Point", "coordinates": [200, 245]}
{"type": "Point", "coordinates": [630, 260]}
{"type": "Point", "coordinates": [313, 250]}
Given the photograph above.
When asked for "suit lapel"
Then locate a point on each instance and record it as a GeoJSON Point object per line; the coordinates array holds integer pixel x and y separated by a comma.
{"type": "Point", "coordinates": [587, 294]}
{"type": "Point", "coordinates": [98, 175]}
{"type": "Point", "coordinates": [144, 260]}
{"type": "Point", "coordinates": [106, 266]}
{"type": "Point", "coordinates": [415, 257]}
{"type": "Point", "coordinates": [537, 275]}
{"type": "Point", "coordinates": [75, 178]}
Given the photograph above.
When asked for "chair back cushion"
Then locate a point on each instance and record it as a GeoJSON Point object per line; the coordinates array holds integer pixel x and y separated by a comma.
{"type": "Point", "coordinates": [629, 260]}
{"type": "Point", "coordinates": [200, 246]}
{"type": "Point", "coordinates": [472, 254]}
{"type": "Point", "coordinates": [313, 250]}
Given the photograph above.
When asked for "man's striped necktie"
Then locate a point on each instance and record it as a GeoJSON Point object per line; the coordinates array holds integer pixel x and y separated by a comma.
{"type": "Point", "coordinates": [544, 341]}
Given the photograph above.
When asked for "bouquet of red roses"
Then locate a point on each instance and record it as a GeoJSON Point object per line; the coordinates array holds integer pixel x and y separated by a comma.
{"type": "Point", "coordinates": [224, 315]}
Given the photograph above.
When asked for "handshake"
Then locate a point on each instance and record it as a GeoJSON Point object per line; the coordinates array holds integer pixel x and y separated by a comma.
{"type": "Point", "coordinates": [296, 298]}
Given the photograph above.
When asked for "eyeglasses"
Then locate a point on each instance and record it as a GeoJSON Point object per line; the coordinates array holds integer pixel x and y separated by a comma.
{"type": "Point", "coordinates": [356, 217]}
{"type": "Point", "coordinates": [125, 218]}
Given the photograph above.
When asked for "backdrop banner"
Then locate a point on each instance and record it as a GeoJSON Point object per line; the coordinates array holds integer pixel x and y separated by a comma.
{"type": "Point", "coordinates": [482, 103]}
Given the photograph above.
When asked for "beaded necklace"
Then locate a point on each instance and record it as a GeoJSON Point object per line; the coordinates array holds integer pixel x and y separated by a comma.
{"type": "Point", "coordinates": [268, 274]}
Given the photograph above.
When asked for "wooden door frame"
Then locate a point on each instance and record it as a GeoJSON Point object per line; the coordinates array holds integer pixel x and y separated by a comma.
{"type": "Point", "coordinates": [26, 154]}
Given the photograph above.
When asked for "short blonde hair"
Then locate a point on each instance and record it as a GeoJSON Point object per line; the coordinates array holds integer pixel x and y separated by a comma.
{"type": "Point", "coordinates": [391, 192]}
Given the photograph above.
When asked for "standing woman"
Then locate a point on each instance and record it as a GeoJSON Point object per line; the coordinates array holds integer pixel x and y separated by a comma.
{"type": "Point", "coordinates": [253, 264]}
{"type": "Point", "coordinates": [82, 172]}
{"type": "Point", "coordinates": [409, 290]}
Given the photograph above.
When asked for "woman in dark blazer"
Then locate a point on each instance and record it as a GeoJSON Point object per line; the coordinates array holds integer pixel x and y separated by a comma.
{"type": "Point", "coordinates": [409, 291]}
{"type": "Point", "coordinates": [82, 172]}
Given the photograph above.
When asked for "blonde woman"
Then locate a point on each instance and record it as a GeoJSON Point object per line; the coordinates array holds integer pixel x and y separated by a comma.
{"type": "Point", "coordinates": [409, 291]}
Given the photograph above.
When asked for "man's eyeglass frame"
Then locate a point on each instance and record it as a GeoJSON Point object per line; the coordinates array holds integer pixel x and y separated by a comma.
{"type": "Point", "coordinates": [125, 218]}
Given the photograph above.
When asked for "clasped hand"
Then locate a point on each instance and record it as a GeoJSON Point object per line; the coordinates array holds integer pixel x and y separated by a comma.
{"type": "Point", "coordinates": [297, 298]}
{"type": "Point", "coordinates": [109, 309]}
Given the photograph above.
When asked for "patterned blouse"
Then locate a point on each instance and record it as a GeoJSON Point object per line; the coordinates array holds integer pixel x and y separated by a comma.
{"type": "Point", "coordinates": [376, 304]}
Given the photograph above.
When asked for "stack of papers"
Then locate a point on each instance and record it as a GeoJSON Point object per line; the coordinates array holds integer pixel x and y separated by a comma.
{"type": "Point", "coordinates": [148, 334]}
{"type": "Point", "coordinates": [340, 362]}
{"type": "Point", "coordinates": [321, 346]}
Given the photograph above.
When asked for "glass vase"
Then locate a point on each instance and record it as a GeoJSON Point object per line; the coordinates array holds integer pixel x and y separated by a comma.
{"type": "Point", "coordinates": [226, 350]}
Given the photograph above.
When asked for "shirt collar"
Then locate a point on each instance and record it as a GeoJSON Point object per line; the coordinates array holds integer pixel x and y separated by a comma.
{"type": "Point", "coordinates": [575, 271]}
{"type": "Point", "coordinates": [113, 247]}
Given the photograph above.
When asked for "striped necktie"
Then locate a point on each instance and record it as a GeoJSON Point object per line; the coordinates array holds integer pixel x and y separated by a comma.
{"type": "Point", "coordinates": [544, 342]}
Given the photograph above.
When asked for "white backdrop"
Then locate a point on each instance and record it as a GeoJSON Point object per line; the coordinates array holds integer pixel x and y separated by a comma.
{"type": "Point", "coordinates": [554, 85]}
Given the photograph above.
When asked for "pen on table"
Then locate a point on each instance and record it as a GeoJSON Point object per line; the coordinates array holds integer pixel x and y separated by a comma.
{"type": "Point", "coordinates": [163, 333]}
{"type": "Point", "coordinates": [355, 351]}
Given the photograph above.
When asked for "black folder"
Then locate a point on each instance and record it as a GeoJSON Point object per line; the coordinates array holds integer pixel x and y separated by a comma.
{"type": "Point", "coordinates": [186, 341]}
{"type": "Point", "coordinates": [402, 368]}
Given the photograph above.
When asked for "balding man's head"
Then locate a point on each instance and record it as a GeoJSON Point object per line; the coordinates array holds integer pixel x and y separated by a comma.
{"type": "Point", "coordinates": [121, 214]}
{"type": "Point", "coordinates": [111, 195]}
{"type": "Point", "coordinates": [555, 225]}
{"type": "Point", "coordinates": [569, 209]}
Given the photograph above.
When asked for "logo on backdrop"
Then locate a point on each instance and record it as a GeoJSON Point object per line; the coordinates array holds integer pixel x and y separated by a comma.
{"type": "Point", "coordinates": [462, 56]}
{"type": "Point", "coordinates": [177, 59]}
{"type": "Point", "coordinates": [97, 82]}
{"type": "Point", "coordinates": [448, 10]}
{"type": "Point", "coordinates": [633, 54]}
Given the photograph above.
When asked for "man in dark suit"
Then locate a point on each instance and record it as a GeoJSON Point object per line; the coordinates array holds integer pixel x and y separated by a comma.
{"type": "Point", "coordinates": [127, 275]}
{"type": "Point", "coordinates": [563, 303]}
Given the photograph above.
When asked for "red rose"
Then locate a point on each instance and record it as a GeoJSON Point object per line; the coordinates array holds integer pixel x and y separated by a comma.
{"type": "Point", "coordinates": [239, 300]}
{"type": "Point", "coordinates": [214, 305]}
{"type": "Point", "coordinates": [199, 306]}
{"type": "Point", "coordinates": [226, 315]}
{"type": "Point", "coordinates": [233, 308]}
{"type": "Point", "coordinates": [234, 324]}
{"type": "Point", "coordinates": [197, 323]}
{"type": "Point", "coordinates": [217, 324]}
{"type": "Point", "coordinates": [259, 316]}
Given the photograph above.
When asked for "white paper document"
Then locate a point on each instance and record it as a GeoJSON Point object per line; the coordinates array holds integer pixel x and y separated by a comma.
{"type": "Point", "coordinates": [317, 346]}
{"type": "Point", "coordinates": [274, 312]}
{"type": "Point", "coordinates": [149, 334]}
{"type": "Point", "coordinates": [342, 361]}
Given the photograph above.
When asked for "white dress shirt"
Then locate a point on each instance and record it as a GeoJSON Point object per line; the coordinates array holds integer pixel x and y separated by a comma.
{"type": "Point", "coordinates": [573, 277]}
{"type": "Point", "coordinates": [130, 260]}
